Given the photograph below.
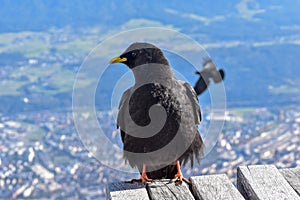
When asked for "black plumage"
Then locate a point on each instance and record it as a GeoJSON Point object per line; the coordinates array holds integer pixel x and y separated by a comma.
{"type": "Point", "coordinates": [177, 139]}
{"type": "Point", "coordinates": [209, 72]}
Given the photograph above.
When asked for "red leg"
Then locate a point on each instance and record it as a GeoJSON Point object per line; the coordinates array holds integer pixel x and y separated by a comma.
{"type": "Point", "coordinates": [179, 177]}
{"type": "Point", "coordinates": [144, 177]}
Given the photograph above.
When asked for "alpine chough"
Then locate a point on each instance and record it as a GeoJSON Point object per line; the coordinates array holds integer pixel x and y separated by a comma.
{"type": "Point", "coordinates": [209, 71]}
{"type": "Point", "coordinates": [158, 116]}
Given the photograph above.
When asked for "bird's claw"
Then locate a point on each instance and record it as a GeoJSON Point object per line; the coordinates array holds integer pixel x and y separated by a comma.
{"type": "Point", "coordinates": [144, 178]}
{"type": "Point", "coordinates": [179, 178]}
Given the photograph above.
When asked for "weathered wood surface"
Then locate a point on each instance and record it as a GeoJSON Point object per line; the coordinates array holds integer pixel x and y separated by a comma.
{"type": "Point", "coordinates": [264, 182]}
{"type": "Point", "coordinates": [126, 191]}
{"type": "Point", "coordinates": [214, 187]}
{"type": "Point", "coordinates": [163, 189]}
{"type": "Point", "coordinates": [292, 175]}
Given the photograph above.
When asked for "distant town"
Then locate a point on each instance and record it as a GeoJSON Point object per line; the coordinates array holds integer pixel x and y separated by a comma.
{"type": "Point", "coordinates": [42, 155]}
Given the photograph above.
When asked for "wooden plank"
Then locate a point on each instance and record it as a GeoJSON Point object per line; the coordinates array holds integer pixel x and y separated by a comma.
{"type": "Point", "coordinates": [214, 187]}
{"type": "Point", "coordinates": [292, 175]}
{"type": "Point", "coordinates": [126, 191]}
{"type": "Point", "coordinates": [263, 182]}
{"type": "Point", "coordinates": [163, 189]}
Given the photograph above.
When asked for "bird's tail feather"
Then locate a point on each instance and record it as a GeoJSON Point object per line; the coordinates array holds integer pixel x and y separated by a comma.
{"type": "Point", "coordinates": [167, 172]}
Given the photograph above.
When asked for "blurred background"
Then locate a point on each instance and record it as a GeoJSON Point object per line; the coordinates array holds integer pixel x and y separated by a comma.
{"type": "Point", "coordinates": [43, 44]}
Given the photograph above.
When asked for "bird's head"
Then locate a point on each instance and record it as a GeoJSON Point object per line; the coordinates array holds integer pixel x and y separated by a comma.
{"type": "Point", "coordinates": [139, 54]}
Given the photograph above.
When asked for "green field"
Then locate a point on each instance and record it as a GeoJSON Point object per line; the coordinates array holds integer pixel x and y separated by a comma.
{"type": "Point", "coordinates": [46, 80]}
{"type": "Point", "coordinates": [243, 110]}
{"type": "Point", "coordinates": [35, 44]}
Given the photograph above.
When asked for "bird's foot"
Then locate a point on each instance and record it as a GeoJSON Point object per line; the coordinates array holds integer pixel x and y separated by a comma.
{"type": "Point", "coordinates": [179, 178]}
{"type": "Point", "coordinates": [144, 178]}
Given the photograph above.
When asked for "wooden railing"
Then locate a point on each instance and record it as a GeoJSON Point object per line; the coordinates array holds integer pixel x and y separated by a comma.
{"type": "Point", "coordinates": [253, 182]}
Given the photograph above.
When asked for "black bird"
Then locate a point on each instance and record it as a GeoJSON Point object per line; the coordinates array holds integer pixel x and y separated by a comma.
{"type": "Point", "coordinates": [209, 71]}
{"type": "Point", "coordinates": [157, 141]}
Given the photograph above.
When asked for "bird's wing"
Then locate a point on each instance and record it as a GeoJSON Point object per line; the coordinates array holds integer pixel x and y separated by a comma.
{"type": "Point", "coordinates": [122, 105]}
{"type": "Point", "coordinates": [194, 100]}
{"type": "Point", "coordinates": [201, 84]}
{"type": "Point", "coordinates": [222, 73]}
{"type": "Point", "coordinates": [218, 75]}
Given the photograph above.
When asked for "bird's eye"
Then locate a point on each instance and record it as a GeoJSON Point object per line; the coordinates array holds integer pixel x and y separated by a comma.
{"type": "Point", "coordinates": [133, 54]}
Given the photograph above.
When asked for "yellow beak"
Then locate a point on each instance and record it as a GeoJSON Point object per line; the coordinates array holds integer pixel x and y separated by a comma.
{"type": "Point", "coordinates": [117, 59]}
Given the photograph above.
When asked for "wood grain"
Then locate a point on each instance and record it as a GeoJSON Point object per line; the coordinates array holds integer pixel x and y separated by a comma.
{"type": "Point", "coordinates": [214, 187]}
{"type": "Point", "coordinates": [292, 175]}
{"type": "Point", "coordinates": [264, 182]}
{"type": "Point", "coordinates": [163, 189]}
{"type": "Point", "coordinates": [126, 191]}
